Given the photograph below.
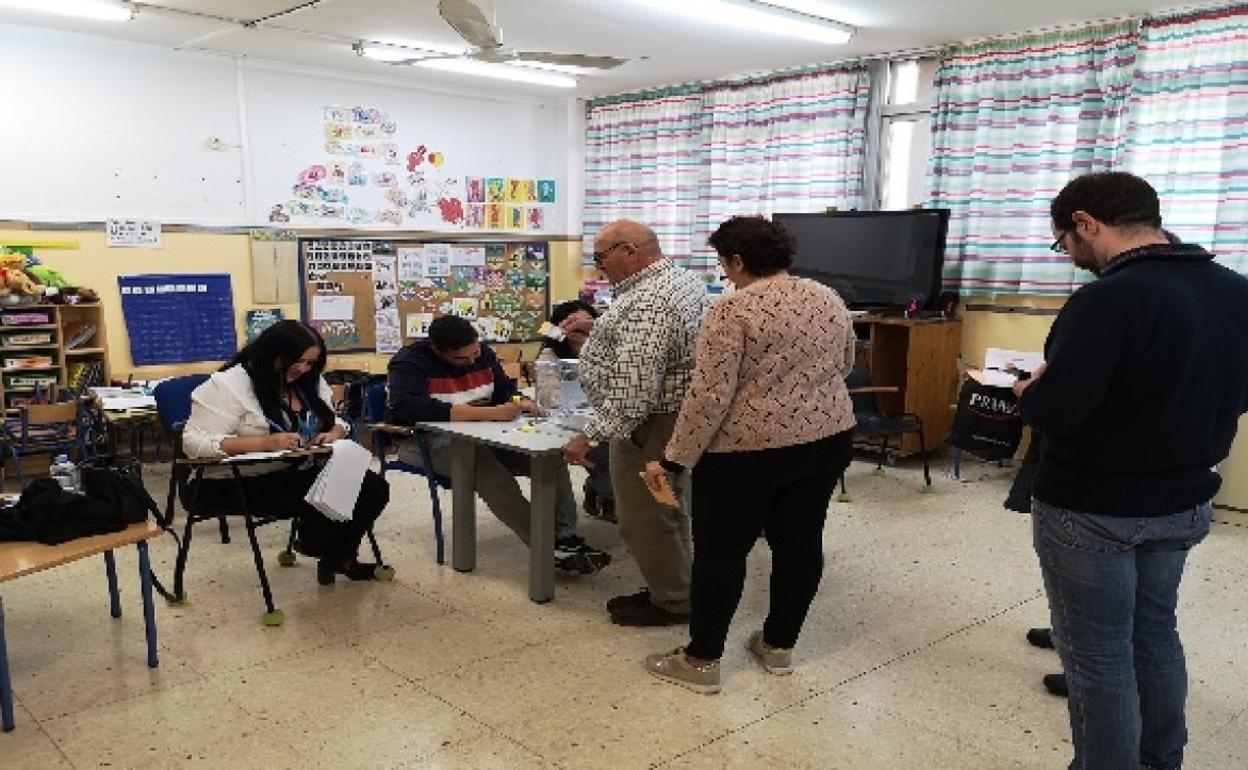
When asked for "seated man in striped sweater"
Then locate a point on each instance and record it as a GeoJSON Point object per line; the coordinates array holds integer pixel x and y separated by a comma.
{"type": "Point", "coordinates": [452, 375]}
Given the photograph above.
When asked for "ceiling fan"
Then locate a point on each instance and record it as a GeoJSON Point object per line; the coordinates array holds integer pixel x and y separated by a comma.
{"type": "Point", "coordinates": [487, 45]}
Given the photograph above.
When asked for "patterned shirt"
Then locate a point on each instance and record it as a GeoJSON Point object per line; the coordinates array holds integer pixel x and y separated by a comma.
{"type": "Point", "coordinates": [639, 356]}
{"type": "Point", "coordinates": [772, 361]}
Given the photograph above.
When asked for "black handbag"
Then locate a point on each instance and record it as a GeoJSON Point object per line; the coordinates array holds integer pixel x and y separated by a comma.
{"type": "Point", "coordinates": [118, 483]}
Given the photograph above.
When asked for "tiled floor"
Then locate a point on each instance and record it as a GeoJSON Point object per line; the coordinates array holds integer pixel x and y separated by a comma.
{"type": "Point", "coordinates": [913, 656]}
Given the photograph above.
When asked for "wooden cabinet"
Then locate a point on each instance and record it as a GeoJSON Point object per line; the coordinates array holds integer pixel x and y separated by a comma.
{"type": "Point", "coordinates": [920, 359]}
{"type": "Point", "coordinates": [49, 344]}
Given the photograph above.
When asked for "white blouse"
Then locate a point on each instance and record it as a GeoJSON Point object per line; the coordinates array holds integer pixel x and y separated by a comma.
{"type": "Point", "coordinates": [226, 407]}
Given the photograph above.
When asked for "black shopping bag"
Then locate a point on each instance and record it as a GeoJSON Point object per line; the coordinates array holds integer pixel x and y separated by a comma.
{"type": "Point", "coordinates": [986, 423]}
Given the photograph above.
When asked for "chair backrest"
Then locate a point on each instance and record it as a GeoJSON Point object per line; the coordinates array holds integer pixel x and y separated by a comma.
{"type": "Point", "coordinates": [864, 403]}
{"type": "Point", "coordinates": [173, 399]}
{"type": "Point", "coordinates": [47, 414]}
{"type": "Point", "coordinates": [375, 403]}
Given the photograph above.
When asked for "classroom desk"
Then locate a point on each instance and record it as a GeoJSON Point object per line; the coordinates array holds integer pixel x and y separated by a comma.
{"type": "Point", "coordinates": [545, 448]}
{"type": "Point", "coordinates": [18, 559]}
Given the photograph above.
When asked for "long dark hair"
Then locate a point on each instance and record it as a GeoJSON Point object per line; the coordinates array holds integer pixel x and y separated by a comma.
{"type": "Point", "coordinates": [563, 348]}
{"type": "Point", "coordinates": [266, 360]}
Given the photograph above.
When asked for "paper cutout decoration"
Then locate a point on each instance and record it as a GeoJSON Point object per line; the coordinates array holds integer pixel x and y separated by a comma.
{"type": "Point", "coordinates": [452, 210]}
{"type": "Point", "coordinates": [515, 217]}
{"type": "Point", "coordinates": [494, 190]}
{"type": "Point", "coordinates": [475, 189]}
{"type": "Point", "coordinates": [546, 190]}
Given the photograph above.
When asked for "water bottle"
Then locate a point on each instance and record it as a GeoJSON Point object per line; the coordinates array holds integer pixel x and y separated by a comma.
{"type": "Point", "coordinates": [62, 472]}
{"type": "Point", "coordinates": [547, 382]}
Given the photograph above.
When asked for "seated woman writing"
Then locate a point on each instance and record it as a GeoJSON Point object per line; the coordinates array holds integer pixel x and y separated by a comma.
{"type": "Point", "coordinates": [271, 397]}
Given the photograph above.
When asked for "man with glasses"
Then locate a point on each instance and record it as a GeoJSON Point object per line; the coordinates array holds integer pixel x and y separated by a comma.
{"type": "Point", "coordinates": [635, 368]}
{"type": "Point", "coordinates": [1146, 378]}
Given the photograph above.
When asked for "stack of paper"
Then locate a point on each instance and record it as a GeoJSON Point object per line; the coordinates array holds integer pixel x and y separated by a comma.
{"type": "Point", "coordinates": [338, 486]}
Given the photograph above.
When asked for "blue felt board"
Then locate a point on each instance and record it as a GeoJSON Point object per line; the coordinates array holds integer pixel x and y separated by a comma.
{"type": "Point", "coordinates": [178, 317]}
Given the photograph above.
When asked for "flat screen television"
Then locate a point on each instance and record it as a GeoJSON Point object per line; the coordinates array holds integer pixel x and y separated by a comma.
{"type": "Point", "coordinates": [874, 259]}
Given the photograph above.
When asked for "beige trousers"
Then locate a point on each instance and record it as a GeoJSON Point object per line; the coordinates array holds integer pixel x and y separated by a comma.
{"type": "Point", "coordinates": [658, 536]}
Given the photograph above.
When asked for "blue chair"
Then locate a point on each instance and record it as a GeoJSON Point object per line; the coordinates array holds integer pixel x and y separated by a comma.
{"type": "Point", "coordinates": [383, 441]}
{"type": "Point", "coordinates": [49, 429]}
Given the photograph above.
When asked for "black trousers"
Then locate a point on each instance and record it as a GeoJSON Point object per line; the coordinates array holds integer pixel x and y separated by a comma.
{"type": "Point", "coordinates": [281, 494]}
{"type": "Point", "coordinates": [781, 493]}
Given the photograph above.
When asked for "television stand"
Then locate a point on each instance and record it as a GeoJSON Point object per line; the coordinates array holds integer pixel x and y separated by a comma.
{"type": "Point", "coordinates": [919, 357]}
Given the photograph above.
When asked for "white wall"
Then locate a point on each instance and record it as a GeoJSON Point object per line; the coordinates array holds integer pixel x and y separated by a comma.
{"type": "Point", "coordinates": [104, 128]}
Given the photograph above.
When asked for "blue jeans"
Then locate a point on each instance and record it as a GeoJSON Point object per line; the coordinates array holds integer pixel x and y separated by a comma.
{"type": "Point", "coordinates": [1113, 585]}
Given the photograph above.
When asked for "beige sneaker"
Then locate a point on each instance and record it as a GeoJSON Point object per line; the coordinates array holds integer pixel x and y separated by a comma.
{"type": "Point", "coordinates": [776, 660]}
{"type": "Point", "coordinates": [673, 667]}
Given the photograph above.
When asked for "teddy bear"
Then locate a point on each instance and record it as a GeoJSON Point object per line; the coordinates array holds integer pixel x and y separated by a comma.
{"type": "Point", "coordinates": [14, 278]}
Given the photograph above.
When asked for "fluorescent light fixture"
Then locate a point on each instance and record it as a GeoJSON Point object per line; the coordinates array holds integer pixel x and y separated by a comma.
{"type": "Point", "coordinates": [395, 53]}
{"type": "Point", "coordinates": [500, 71]}
{"type": "Point", "coordinates": [98, 10]}
{"type": "Point", "coordinates": [760, 16]}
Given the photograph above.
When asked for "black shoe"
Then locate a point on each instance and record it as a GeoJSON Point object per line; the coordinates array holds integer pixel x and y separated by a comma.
{"type": "Point", "coordinates": [573, 554]}
{"type": "Point", "coordinates": [641, 598]}
{"type": "Point", "coordinates": [326, 569]}
{"type": "Point", "coordinates": [1040, 637]}
{"type": "Point", "coordinates": [606, 509]}
{"type": "Point", "coordinates": [1056, 684]}
{"type": "Point", "coordinates": [648, 614]}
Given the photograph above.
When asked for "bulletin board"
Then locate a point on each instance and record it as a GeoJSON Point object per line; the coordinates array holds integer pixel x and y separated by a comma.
{"type": "Point", "coordinates": [367, 295]}
{"type": "Point", "coordinates": [178, 317]}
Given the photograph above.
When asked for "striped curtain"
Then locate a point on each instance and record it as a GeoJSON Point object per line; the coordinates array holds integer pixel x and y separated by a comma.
{"type": "Point", "coordinates": [1013, 121]}
{"type": "Point", "coordinates": [1188, 131]}
{"type": "Point", "coordinates": [643, 157]}
{"type": "Point", "coordinates": [684, 160]}
{"type": "Point", "coordinates": [791, 142]}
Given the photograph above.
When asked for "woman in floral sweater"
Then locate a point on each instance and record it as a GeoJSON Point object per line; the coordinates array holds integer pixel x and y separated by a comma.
{"type": "Point", "coordinates": [766, 428]}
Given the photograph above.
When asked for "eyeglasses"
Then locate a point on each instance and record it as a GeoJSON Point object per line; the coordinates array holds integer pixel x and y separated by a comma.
{"type": "Point", "coordinates": [1058, 246]}
{"type": "Point", "coordinates": [601, 256]}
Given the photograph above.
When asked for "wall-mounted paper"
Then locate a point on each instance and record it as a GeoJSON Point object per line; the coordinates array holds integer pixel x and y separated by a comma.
{"type": "Point", "coordinates": [143, 233]}
{"type": "Point", "coordinates": [468, 256]}
{"type": "Point", "coordinates": [333, 308]}
{"type": "Point", "coordinates": [411, 265]}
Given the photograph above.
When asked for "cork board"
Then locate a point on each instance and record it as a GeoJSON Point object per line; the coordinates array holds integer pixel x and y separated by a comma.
{"type": "Point", "coordinates": [378, 295]}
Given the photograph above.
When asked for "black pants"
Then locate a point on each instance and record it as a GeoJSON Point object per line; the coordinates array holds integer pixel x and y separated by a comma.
{"type": "Point", "coordinates": [782, 493]}
{"type": "Point", "coordinates": [281, 494]}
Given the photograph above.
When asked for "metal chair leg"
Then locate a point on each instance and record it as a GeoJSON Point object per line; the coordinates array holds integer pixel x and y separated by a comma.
{"type": "Point", "coordinates": [927, 475]}
{"type": "Point", "coordinates": [224, 527]}
{"type": "Point", "coordinates": [272, 615]}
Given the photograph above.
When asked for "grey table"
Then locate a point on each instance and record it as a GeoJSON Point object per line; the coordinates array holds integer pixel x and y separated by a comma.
{"type": "Point", "coordinates": [544, 444]}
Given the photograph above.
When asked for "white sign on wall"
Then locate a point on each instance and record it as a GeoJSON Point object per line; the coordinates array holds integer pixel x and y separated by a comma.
{"type": "Point", "coordinates": [133, 233]}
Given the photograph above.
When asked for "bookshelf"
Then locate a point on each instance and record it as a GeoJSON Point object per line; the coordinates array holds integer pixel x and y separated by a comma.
{"type": "Point", "coordinates": [50, 344]}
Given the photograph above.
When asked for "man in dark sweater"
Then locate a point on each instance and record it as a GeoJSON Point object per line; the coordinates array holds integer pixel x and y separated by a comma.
{"type": "Point", "coordinates": [452, 376]}
{"type": "Point", "coordinates": [1146, 378]}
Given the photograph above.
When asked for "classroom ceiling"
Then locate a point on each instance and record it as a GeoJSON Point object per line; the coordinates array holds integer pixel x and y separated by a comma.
{"type": "Point", "coordinates": [662, 48]}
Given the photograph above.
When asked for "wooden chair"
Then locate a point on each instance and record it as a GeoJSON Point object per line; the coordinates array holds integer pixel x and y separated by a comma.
{"type": "Point", "coordinates": [44, 429]}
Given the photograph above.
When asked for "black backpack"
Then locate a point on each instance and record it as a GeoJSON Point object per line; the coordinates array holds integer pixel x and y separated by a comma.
{"type": "Point", "coordinates": [48, 514]}
{"type": "Point", "coordinates": [118, 483]}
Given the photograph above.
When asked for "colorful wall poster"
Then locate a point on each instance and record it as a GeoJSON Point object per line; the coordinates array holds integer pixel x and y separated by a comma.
{"type": "Point", "coordinates": [259, 319]}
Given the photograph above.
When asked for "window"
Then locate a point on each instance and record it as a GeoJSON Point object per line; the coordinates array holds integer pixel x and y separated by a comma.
{"type": "Point", "coordinates": [906, 134]}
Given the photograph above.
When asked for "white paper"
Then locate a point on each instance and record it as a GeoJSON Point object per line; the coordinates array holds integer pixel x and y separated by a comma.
{"type": "Point", "coordinates": [411, 265]}
{"type": "Point", "coordinates": [121, 403]}
{"type": "Point", "coordinates": [333, 308]}
{"type": "Point", "coordinates": [338, 486]}
{"type": "Point", "coordinates": [245, 456]}
{"type": "Point", "coordinates": [468, 256]}
{"type": "Point", "coordinates": [1008, 362]}
{"type": "Point", "coordinates": [141, 233]}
